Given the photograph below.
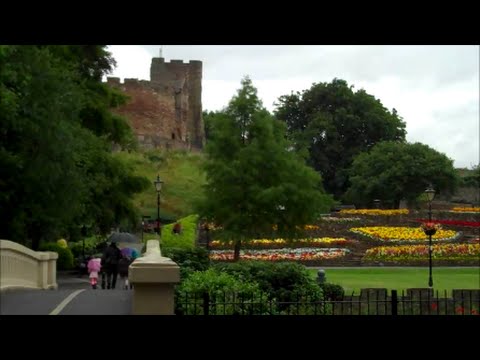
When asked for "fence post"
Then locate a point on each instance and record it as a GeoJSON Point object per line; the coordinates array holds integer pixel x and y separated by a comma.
{"type": "Point", "coordinates": [394, 302]}
{"type": "Point", "coordinates": [206, 303]}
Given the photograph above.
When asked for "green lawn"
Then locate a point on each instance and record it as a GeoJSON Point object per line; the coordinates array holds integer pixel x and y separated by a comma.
{"type": "Point", "coordinates": [403, 278]}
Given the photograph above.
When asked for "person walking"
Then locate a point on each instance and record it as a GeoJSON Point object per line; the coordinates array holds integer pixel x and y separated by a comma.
{"type": "Point", "coordinates": [123, 265]}
{"type": "Point", "coordinates": [94, 266]}
{"type": "Point", "coordinates": [111, 258]}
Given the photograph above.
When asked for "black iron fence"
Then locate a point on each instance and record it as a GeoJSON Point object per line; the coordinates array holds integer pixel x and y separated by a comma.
{"type": "Point", "coordinates": [368, 302]}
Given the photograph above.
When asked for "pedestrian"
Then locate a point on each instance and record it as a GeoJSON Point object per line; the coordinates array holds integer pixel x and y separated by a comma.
{"type": "Point", "coordinates": [94, 266]}
{"type": "Point", "coordinates": [177, 228]}
{"type": "Point", "coordinates": [111, 258]}
{"type": "Point", "coordinates": [123, 265]}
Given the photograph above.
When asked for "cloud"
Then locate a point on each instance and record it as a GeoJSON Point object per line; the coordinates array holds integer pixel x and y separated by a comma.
{"type": "Point", "coordinates": [434, 88]}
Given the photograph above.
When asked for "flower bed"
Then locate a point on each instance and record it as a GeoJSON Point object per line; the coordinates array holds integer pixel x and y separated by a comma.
{"type": "Point", "coordinates": [453, 222]}
{"type": "Point", "coordinates": [466, 209]}
{"type": "Point", "coordinates": [281, 243]}
{"type": "Point", "coordinates": [403, 234]}
{"type": "Point", "coordinates": [303, 254]}
{"type": "Point", "coordinates": [408, 253]}
{"type": "Point", "coordinates": [375, 212]}
{"type": "Point", "coordinates": [340, 219]}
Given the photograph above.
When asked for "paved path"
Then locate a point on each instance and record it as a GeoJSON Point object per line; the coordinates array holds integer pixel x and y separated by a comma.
{"type": "Point", "coordinates": [73, 297]}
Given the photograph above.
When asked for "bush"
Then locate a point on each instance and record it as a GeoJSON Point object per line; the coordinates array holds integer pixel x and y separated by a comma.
{"type": "Point", "coordinates": [285, 281]}
{"type": "Point", "coordinates": [186, 239]}
{"type": "Point", "coordinates": [91, 246]}
{"type": "Point", "coordinates": [189, 260]}
{"type": "Point", "coordinates": [332, 292]}
{"type": "Point", "coordinates": [62, 243]}
{"type": "Point", "coordinates": [65, 256]}
{"type": "Point", "coordinates": [225, 294]}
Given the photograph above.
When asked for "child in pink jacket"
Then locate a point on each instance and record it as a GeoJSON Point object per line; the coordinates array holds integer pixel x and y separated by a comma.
{"type": "Point", "coordinates": [94, 267]}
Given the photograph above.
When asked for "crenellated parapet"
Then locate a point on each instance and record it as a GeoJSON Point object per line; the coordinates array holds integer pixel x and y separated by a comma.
{"type": "Point", "coordinates": [166, 111]}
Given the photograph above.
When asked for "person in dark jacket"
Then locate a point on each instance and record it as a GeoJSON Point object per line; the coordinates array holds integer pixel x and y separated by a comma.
{"type": "Point", "coordinates": [110, 260]}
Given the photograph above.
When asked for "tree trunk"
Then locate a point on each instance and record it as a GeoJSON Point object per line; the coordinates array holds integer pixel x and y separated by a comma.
{"type": "Point", "coordinates": [236, 250]}
{"type": "Point", "coordinates": [396, 204]}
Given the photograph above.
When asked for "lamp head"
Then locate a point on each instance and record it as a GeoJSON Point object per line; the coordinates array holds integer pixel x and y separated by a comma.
{"type": "Point", "coordinates": [158, 184]}
{"type": "Point", "coordinates": [430, 193]}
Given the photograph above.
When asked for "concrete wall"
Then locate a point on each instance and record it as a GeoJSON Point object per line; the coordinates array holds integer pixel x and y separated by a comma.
{"type": "Point", "coordinates": [21, 267]}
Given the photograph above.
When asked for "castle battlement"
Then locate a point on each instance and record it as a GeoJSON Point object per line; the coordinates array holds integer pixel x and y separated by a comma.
{"type": "Point", "coordinates": [126, 81]}
{"type": "Point", "coordinates": [167, 108]}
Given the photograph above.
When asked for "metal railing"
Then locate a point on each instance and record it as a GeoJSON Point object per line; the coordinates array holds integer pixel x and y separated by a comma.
{"type": "Point", "coordinates": [368, 302]}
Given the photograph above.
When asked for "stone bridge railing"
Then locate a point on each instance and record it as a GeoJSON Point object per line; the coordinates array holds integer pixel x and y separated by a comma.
{"type": "Point", "coordinates": [21, 267]}
{"type": "Point", "coordinates": [153, 278]}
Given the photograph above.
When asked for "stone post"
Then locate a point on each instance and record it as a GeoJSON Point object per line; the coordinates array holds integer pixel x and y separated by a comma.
{"type": "Point", "coordinates": [153, 278]}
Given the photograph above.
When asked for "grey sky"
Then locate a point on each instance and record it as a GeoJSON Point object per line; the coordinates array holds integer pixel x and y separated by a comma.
{"type": "Point", "coordinates": [434, 88]}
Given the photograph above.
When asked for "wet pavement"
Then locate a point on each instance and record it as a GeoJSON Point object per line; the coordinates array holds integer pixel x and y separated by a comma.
{"type": "Point", "coordinates": [74, 296]}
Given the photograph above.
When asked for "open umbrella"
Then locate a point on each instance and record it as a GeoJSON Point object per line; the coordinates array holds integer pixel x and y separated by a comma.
{"type": "Point", "coordinates": [123, 237]}
{"type": "Point", "coordinates": [94, 265]}
{"type": "Point", "coordinates": [127, 251]}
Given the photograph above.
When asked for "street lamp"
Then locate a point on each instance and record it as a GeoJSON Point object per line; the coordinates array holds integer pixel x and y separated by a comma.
{"type": "Point", "coordinates": [377, 203]}
{"type": "Point", "coordinates": [158, 186]}
{"type": "Point", "coordinates": [430, 192]}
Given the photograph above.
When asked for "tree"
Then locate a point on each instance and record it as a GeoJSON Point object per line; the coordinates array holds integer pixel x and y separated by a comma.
{"type": "Point", "coordinates": [393, 171]}
{"type": "Point", "coordinates": [208, 119]}
{"type": "Point", "coordinates": [58, 171]}
{"type": "Point", "coordinates": [332, 124]}
{"type": "Point", "coordinates": [254, 181]}
{"type": "Point", "coordinates": [472, 178]}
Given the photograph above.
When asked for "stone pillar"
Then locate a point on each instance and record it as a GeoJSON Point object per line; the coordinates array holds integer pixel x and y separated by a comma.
{"type": "Point", "coordinates": [52, 272]}
{"type": "Point", "coordinates": [42, 268]}
{"type": "Point", "coordinates": [153, 278]}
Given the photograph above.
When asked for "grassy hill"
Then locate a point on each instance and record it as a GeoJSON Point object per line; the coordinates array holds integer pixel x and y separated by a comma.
{"type": "Point", "coordinates": [182, 176]}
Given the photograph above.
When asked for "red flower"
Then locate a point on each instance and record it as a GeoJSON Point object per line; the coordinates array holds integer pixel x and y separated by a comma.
{"type": "Point", "coordinates": [430, 226]}
{"type": "Point", "coordinates": [434, 306]}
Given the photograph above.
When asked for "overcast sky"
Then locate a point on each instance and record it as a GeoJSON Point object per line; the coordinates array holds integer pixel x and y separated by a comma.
{"type": "Point", "coordinates": [434, 88]}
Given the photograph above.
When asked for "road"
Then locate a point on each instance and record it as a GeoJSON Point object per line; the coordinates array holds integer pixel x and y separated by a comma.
{"type": "Point", "coordinates": [74, 296]}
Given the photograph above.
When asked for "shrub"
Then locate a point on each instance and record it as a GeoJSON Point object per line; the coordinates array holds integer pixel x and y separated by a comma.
{"type": "Point", "coordinates": [62, 243]}
{"type": "Point", "coordinates": [65, 256]}
{"type": "Point", "coordinates": [285, 281]}
{"type": "Point", "coordinates": [224, 294]}
{"type": "Point", "coordinates": [332, 292]}
{"type": "Point", "coordinates": [186, 239]}
{"type": "Point", "coordinates": [189, 260]}
{"type": "Point", "coordinates": [91, 246]}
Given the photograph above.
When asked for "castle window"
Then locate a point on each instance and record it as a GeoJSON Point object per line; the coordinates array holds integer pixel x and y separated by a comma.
{"type": "Point", "coordinates": [173, 136]}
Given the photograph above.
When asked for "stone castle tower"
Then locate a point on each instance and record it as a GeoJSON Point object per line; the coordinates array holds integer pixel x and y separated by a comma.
{"type": "Point", "coordinates": [165, 112]}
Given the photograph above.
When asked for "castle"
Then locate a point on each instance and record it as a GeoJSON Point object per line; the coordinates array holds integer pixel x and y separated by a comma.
{"type": "Point", "coordinates": [165, 112]}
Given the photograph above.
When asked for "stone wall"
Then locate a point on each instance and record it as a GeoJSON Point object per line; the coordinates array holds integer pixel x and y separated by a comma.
{"type": "Point", "coordinates": [21, 267]}
{"type": "Point", "coordinates": [165, 112]}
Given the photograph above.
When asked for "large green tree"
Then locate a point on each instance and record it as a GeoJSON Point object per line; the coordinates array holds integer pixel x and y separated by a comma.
{"type": "Point", "coordinates": [330, 124]}
{"type": "Point", "coordinates": [393, 171]}
{"type": "Point", "coordinates": [254, 179]}
{"type": "Point", "coordinates": [58, 172]}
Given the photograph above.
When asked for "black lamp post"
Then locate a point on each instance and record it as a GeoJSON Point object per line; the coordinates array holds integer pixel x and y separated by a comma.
{"type": "Point", "coordinates": [430, 196]}
{"type": "Point", "coordinates": [158, 186]}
